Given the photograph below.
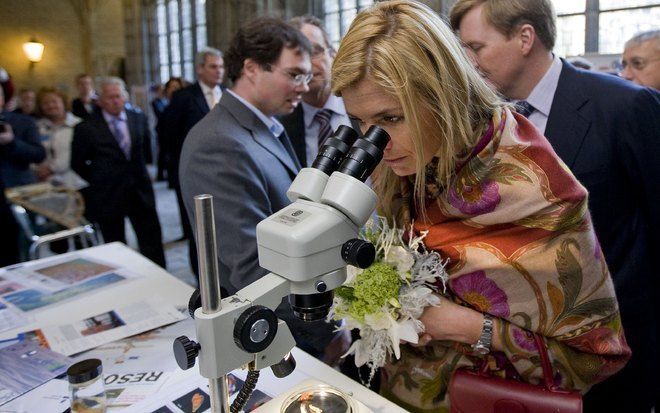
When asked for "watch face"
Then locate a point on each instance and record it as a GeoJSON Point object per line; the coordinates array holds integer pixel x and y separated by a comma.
{"type": "Point", "coordinates": [481, 349]}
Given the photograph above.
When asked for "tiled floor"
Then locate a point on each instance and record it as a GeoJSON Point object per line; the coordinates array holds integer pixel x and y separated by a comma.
{"type": "Point", "coordinates": [176, 253]}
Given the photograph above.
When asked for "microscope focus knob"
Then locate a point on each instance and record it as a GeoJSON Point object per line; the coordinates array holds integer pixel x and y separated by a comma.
{"type": "Point", "coordinates": [255, 329]}
{"type": "Point", "coordinates": [194, 303]}
{"type": "Point", "coordinates": [185, 352]}
{"type": "Point", "coordinates": [358, 253]}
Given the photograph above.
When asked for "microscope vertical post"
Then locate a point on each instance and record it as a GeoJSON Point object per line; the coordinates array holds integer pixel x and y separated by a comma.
{"type": "Point", "coordinates": [209, 280]}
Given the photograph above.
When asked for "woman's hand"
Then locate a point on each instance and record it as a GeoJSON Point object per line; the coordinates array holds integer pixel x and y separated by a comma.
{"type": "Point", "coordinates": [453, 322]}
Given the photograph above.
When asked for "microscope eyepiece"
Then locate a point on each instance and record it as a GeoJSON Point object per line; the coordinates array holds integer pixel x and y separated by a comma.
{"type": "Point", "coordinates": [365, 154]}
{"type": "Point", "coordinates": [334, 149]}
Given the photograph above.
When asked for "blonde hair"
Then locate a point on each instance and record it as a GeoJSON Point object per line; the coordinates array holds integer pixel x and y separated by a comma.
{"type": "Point", "coordinates": [405, 48]}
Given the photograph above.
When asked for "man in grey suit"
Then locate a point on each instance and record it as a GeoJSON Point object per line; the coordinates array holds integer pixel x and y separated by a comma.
{"type": "Point", "coordinates": [240, 154]}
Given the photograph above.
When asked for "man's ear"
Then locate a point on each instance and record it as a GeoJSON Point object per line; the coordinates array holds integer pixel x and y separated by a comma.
{"type": "Point", "coordinates": [526, 38]}
{"type": "Point", "coordinates": [250, 68]}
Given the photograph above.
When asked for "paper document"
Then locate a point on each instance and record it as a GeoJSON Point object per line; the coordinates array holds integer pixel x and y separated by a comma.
{"type": "Point", "coordinates": [26, 365]}
{"type": "Point", "coordinates": [109, 326]}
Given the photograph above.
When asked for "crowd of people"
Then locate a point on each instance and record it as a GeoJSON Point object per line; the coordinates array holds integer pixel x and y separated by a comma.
{"type": "Point", "coordinates": [536, 179]}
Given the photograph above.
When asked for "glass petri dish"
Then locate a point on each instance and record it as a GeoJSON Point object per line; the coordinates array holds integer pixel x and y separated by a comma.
{"type": "Point", "coordinates": [320, 398]}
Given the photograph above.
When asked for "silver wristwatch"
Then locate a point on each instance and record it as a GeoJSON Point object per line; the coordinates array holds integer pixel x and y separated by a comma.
{"type": "Point", "coordinates": [482, 347]}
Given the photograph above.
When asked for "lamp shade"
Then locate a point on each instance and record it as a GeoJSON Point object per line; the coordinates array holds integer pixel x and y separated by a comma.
{"type": "Point", "coordinates": [33, 50]}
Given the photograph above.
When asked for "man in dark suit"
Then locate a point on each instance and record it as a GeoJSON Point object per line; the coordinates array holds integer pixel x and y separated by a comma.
{"type": "Point", "coordinates": [108, 151]}
{"type": "Point", "coordinates": [19, 147]}
{"type": "Point", "coordinates": [188, 106]}
{"type": "Point", "coordinates": [606, 131]}
{"type": "Point", "coordinates": [242, 156]}
{"type": "Point", "coordinates": [320, 112]}
{"type": "Point", "coordinates": [84, 106]}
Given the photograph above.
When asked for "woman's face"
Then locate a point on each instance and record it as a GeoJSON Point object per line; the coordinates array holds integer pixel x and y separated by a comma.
{"type": "Point", "coordinates": [52, 106]}
{"type": "Point", "coordinates": [369, 104]}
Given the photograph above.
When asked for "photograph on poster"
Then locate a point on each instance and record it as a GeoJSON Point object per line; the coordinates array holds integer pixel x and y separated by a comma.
{"type": "Point", "coordinates": [99, 323]}
{"type": "Point", "coordinates": [32, 299]}
{"type": "Point", "coordinates": [7, 288]}
{"type": "Point", "coordinates": [196, 401]}
{"type": "Point", "coordinates": [74, 271]}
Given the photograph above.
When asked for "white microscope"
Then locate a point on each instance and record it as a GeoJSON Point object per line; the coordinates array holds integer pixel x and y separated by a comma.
{"type": "Point", "coordinates": [305, 246]}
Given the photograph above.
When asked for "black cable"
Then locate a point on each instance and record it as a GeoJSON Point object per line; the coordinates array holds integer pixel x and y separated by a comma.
{"type": "Point", "coordinates": [246, 391]}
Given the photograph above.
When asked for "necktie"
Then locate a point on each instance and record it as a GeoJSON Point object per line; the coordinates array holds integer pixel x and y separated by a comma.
{"type": "Point", "coordinates": [525, 108]}
{"type": "Point", "coordinates": [212, 101]}
{"type": "Point", "coordinates": [322, 117]}
{"type": "Point", "coordinates": [122, 139]}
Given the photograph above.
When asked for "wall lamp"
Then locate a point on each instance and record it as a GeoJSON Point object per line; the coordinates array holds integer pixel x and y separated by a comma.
{"type": "Point", "coordinates": [34, 50]}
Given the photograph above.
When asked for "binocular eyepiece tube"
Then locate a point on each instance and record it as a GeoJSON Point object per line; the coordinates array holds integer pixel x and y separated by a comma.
{"type": "Point", "coordinates": [354, 156]}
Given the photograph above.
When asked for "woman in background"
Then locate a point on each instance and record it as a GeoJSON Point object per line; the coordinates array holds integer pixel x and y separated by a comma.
{"type": "Point", "coordinates": [496, 201]}
{"type": "Point", "coordinates": [56, 129]}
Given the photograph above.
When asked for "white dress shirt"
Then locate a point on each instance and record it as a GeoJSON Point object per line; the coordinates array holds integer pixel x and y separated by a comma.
{"type": "Point", "coordinates": [543, 94]}
{"type": "Point", "coordinates": [212, 96]}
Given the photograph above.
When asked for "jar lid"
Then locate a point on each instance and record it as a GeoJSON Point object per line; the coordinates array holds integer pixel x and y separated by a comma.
{"type": "Point", "coordinates": [85, 370]}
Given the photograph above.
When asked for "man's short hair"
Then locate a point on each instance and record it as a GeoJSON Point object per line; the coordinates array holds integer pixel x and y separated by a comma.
{"type": "Point", "coordinates": [643, 37]}
{"type": "Point", "coordinates": [299, 21]}
{"type": "Point", "coordinates": [200, 57]}
{"type": "Point", "coordinates": [508, 15]}
{"type": "Point", "coordinates": [262, 40]}
{"type": "Point", "coordinates": [81, 76]}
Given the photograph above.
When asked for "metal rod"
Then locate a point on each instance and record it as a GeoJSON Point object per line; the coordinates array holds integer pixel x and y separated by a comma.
{"type": "Point", "coordinates": [209, 281]}
{"type": "Point", "coordinates": [209, 278]}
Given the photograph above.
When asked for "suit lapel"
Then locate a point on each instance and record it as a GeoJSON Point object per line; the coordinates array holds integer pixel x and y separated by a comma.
{"type": "Point", "coordinates": [260, 133]}
{"type": "Point", "coordinates": [295, 126]}
{"type": "Point", "coordinates": [132, 124]}
{"type": "Point", "coordinates": [567, 123]}
{"type": "Point", "coordinates": [109, 137]}
{"type": "Point", "coordinates": [200, 100]}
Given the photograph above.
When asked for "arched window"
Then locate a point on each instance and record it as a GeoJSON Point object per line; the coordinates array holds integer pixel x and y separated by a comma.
{"type": "Point", "coordinates": [181, 31]}
{"type": "Point", "coordinates": [338, 15]}
{"type": "Point", "coordinates": [602, 26]}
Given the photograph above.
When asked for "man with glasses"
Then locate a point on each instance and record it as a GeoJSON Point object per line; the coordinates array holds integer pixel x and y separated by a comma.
{"type": "Point", "coordinates": [641, 59]}
{"type": "Point", "coordinates": [606, 131]}
{"type": "Point", "coordinates": [240, 154]}
{"type": "Point", "coordinates": [321, 112]}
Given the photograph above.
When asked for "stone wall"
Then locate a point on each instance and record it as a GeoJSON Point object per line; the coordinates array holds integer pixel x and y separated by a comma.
{"type": "Point", "coordinates": [78, 35]}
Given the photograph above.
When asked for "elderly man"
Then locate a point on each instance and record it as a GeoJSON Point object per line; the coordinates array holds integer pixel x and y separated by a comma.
{"type": "Point", "coordinates": [605, 129]}
{"type": "Point", "coordinates": [188, 106]}
{"type": "Point", "coordinates": [108, 151]}
{"type": "Point", "coordinates": [641, 59]}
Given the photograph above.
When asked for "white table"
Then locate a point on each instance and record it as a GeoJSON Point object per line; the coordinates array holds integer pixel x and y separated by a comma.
{"type": "Point", "coordinates": [154, 281]}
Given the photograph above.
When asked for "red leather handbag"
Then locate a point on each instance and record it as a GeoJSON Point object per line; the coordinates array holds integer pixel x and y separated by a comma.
{"type": "Point", "coordinates": [479, 392]}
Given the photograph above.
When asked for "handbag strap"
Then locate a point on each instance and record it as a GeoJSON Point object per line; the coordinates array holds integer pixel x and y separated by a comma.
{"type": "Point", "coordinates": [484, 369]}
{"type": "Point", "coordinates": [545, 363]}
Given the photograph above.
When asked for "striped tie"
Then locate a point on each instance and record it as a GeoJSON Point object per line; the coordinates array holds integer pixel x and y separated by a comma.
{"type": "Point", "coordinates": [123, 140]}
{"type": "Point", "coordinates": [525, 108]}
{"type": "Point", "coordinates": [322, 117]}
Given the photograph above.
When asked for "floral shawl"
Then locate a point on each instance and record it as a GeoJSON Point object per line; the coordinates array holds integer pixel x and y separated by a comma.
{"type": "Point", "coordinates": [515, 227]}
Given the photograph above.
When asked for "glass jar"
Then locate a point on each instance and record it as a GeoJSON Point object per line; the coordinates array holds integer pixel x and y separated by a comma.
{"type": "Point", "coordinates": [86, 387]}
{"type": "Point", "coordinates": [318, 398]}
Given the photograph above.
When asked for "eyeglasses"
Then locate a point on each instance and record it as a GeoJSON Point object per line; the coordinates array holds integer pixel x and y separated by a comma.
{"type": "Point", "coordinates": [297, 79]}
{"type": "Point", "coordinates": [637, 64]}
{"type": "Point", "coordinates": [318, 50]}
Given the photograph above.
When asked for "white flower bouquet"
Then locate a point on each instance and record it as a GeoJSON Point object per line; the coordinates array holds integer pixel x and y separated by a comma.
{"type": "Point", "coordinates": [386, 300]}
